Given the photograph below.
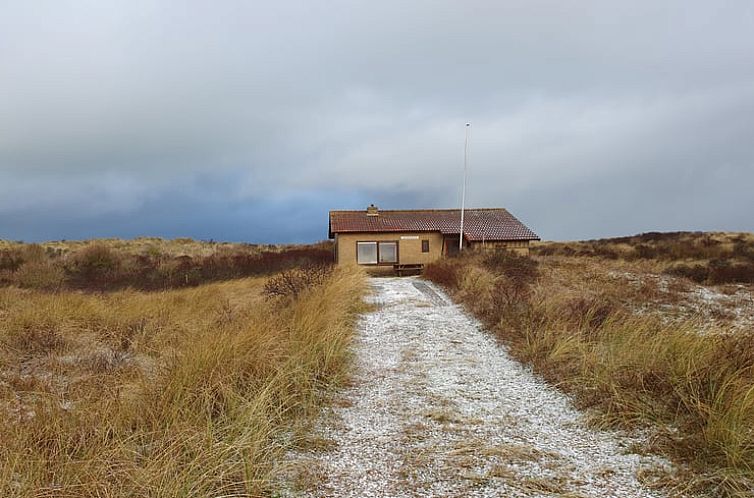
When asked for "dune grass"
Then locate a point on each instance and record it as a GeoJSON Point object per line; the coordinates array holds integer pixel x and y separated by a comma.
{"type": "Point", "coordinates": [189, 392]}
{"type": "Point", "coordinates": [107, 265]}
{"type": "Point", "coordinates": [579, 328]}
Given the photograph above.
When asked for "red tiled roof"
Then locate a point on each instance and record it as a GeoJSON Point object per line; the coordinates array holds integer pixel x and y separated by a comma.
{"type": "Point", "coordinates": [478, 224]}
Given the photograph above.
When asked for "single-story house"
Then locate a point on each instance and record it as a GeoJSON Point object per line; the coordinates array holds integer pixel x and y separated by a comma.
{"type": "Point", "coordinates": [413, 238]}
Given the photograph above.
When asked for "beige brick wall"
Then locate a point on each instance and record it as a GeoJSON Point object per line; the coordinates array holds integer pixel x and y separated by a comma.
{"type": "Point", "coordinates": [409, 246]}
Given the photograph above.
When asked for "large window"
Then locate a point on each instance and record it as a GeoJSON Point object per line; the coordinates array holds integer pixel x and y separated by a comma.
{"type": "Point", "coordinates": [388, 252]}
{"type": "Point", "coordinates": [366, 253]}
{"type": "Point", "coordinates": [373, 253]}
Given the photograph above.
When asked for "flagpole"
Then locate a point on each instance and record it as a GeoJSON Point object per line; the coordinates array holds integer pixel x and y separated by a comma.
{"type": "Point", "coordinates": [463, 191]}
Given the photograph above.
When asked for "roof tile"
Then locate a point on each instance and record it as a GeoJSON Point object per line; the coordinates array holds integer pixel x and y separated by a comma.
{"type": "Point", "coordinates": [479, 224]}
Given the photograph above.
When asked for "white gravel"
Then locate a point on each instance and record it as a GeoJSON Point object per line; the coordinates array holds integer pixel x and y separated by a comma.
{"type": "Point", "coordinates": [438, 408]}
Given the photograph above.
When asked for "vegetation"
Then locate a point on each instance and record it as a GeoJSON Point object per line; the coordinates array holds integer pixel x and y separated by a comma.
{"type": "Point", "coordinates": [186, 392]}
{"type": "Point", "coordinates": [105, 265]}
{"type": "Point", "coordinates": [622, 338]}
{"type": "Point", "coordinates": [704, 257]}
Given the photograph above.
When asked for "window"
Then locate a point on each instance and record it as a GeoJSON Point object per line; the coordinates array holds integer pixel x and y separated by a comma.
{"type": "Point", "coordinates": [373, 253]}
{"type": "Point", "coordinates": [366, 253]}
{"type": "Point", "coordinates": [425, 246]}
{"type": "Point", "coordinates": [388, 252]}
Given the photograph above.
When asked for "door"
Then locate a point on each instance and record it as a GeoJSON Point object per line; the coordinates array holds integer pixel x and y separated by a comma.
{"type": "Point", "coordinates": [450, 246]}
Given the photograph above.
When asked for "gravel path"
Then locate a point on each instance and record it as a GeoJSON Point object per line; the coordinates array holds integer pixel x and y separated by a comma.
{"type": "Point", "coordinates": [438, 408]}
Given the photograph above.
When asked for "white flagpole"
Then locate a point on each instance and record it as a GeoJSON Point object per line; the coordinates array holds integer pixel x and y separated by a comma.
{"type": "Point", "coordinates": [463, 192]}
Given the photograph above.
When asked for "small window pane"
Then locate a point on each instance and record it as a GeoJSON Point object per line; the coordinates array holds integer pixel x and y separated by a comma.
{"type": "Point", "coordinates": [366, 253]}
{"type": "Point", "coordinates": [388, 252]}
{"type": "Point", "coordinates": [425, 246]}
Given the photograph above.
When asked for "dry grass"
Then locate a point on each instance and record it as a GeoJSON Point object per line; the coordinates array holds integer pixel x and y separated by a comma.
{"type": "Point", "coordinates": [598, 328]}
{"type": "Point", "coordinates": [173, 394]}
{"type": "Point", "coordinates": [151, 264]}
{"type": "Point", "coordinates": [705, 257]}
{"type": "Point", "coordinates": [173, 247]}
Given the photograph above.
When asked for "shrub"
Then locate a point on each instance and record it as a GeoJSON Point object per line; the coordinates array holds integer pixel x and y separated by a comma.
{"type": "Point", "coordinates": [291, 283]}
{"type": "Point", "coordinates": [645, 251]}
{"type": "Point", "coordinates": [743, 249]}
{"type": "Point", "coordinates": [94, 266]}
{"type": "Point", "coordinates": [697, 273]}
{"type": "Point", "coordinates": [443, 272]}
{"type": "Point", "coordinates": [723, 271]}
{"type": "Point", "coordinates": [520, 270]}
{"type": "Point", "coordinates": [11, 259]}
{"type": "Point", "coordinates": [588, 312]}
{"type": "Point", "coordinates": [42, 275]}
{"type": "Point", "coordinates": [34, 253]}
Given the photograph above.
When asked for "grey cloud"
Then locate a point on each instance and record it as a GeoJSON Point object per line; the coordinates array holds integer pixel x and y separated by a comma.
{"type": "Point", "coordinates": [588, 119]}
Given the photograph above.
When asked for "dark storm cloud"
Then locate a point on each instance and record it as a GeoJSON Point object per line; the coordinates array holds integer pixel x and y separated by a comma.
{"type": "Point", "coordinates": [247, 121]}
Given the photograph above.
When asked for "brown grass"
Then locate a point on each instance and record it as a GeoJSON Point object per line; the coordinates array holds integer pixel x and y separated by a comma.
{"type": "Point", "coordinates": [113, 265]}
{"type": "Point", "coordinates": [705, 257]}
{"type": "Point", "coordinates": [181, 393]}
{"type": "Point", "coordinates": [584, 325]}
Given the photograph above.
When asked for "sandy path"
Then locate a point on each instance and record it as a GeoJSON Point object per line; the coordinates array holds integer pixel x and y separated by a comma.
{"type": "Point", "coordinates": [437, 408]}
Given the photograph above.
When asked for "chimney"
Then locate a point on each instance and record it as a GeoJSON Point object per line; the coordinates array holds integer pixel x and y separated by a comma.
{"type": "Point", "coordinates": [372, 210]}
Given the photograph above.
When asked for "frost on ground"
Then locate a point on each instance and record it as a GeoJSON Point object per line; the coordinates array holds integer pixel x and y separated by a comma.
{"type": "Point", "coordinates": [674, 298]}
{"type": "Point", "coordinates": [438, 408]}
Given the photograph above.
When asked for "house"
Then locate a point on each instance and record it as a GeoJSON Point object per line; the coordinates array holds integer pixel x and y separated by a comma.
{"type": "Point", "coordinates": [412, 238]}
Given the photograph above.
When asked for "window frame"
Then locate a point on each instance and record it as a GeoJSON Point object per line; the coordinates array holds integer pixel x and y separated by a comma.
{"type": "Point", "coordinates": [376, 252]}
{"type": "Point", "coordinates": [425, 245]}
{"type": "Point", "coordinates": [379, 255]}
{"type": "Point", "coordinates": [378, 242]}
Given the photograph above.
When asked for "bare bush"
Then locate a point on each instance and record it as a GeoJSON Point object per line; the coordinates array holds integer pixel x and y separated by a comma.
{"type": "Point", "coordinates": [696, 273]}
{"type": "Point", "coordinates": [443, 272]}
{"type": "Point", "coordinates": [11, 259]}
{"type": "Point", "coordinates": [96, 266]}
{"type": "Point", "coordinates": [291, 283]}
{"type": "Point", "coordinates": [42, 275]}
{"type": "Point", "coordinates": [520, 270]}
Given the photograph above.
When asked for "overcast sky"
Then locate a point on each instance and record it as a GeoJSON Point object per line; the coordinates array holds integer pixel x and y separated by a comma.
{"type": "Point", "coordinates": [248, 121]}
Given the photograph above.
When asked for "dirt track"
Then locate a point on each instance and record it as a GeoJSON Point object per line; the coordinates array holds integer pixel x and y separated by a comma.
{"type": "Point", "coordinates": [437, 408]}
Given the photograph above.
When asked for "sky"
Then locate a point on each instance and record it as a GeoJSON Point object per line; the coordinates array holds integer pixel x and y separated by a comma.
{"type": "Point", "coordinates": [249, 121]}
